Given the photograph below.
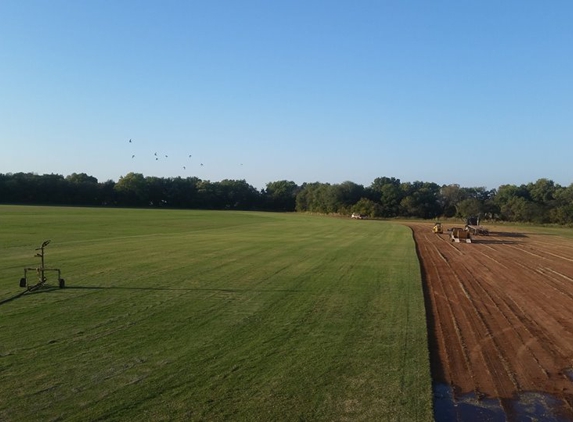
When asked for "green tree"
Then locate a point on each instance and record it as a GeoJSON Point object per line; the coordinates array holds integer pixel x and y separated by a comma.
{"type": "Point", "coordinates": [313, 197]}
{"type": "Point", "coordinates": [156, 191]}
{"type": "Point", "coordinates": [449, 198]}
{"type": "Point", "coordinates": [521, 209]}
{"type": "Point", "coordinates": [281, 195]}
{"type": "Point", "coordinates": [517, 204]}
{"type": "Point", "coordinates": [237, 194]}
{"type": "Point", "coordinates": [562, 215]}
{"type": "Point", "coordinates": [563, 205]}
{"type": "Point", "coordinates": [470, 207]}
{"type": "Point", "coordinates": [542, 191]}
{"type": "Point", "coordinates": [207, 195]}
{"type": "Point", "coordinates": [343, 196]}
{"type": "Point", "coordinates": [82, 189]}
{"type": "Point", "coordinates": [80, 178]}
{"type": "Point", "coordinates": [183, 193]}
{"type": "Point", "coordinates": [106, 193]}
{"type": "Point", "coordinates": [132, 190]}
{"type": "Point", "coordinates": [507, 192]}
{"type": "Point", "coordinates": [420, 200]}
{"type": "Point", "coordinates": [388, 193]}
{"type": "Point", "coordinates": [367, 207]}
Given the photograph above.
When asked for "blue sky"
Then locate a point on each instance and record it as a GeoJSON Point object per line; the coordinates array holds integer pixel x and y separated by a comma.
{"type": "Point", "coordinates": [478, 93]}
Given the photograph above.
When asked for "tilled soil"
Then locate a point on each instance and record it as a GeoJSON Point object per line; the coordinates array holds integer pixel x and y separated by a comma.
{"type": "Point", "coordinates": [500, 315]}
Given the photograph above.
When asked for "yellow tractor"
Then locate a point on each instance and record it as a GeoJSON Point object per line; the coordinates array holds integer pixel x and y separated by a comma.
{"type": "Point", "coordinates": [438, 228]}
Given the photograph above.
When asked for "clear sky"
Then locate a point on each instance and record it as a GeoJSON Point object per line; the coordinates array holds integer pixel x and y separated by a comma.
{"type": "Point", "coordinates": [478, 93]}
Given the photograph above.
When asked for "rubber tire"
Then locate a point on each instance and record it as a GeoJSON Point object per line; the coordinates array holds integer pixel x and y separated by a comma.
{"type": "Point", "coordinates": [62, 283]}
{"type": "Point", "coordinates": [23, 282]}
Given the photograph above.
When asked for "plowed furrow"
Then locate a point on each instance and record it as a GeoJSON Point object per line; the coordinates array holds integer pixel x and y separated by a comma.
{"type": "Point", "coordinates": [502, 312]}
{"type": "Point", "coordinates": [505, 327]}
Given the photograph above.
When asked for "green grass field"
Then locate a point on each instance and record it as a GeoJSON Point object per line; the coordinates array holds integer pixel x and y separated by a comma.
{"type": "Point", "coordinates": [198, 315]}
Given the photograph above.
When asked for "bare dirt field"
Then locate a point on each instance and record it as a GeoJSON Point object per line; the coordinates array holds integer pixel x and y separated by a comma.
{"type": "Point", "coordinates": [500, 321]}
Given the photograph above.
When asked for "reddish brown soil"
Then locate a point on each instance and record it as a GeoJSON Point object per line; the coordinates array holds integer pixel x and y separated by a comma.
{"type": "Point", "coordinates": [500, 312]}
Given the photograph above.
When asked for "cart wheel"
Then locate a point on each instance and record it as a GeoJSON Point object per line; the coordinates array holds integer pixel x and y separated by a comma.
{"type": "Point", "coordinates": [62, 283]}
{"type": "Point", "coordinates": [22, 282]}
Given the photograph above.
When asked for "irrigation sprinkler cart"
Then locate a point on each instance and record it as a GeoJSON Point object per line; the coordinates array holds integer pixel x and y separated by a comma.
{"type": "Point", "coordinates": [41, 271]}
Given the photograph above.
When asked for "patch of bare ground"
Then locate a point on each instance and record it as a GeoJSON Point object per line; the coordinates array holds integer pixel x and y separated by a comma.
{"type": "Point", "coordinates": [500, 322]}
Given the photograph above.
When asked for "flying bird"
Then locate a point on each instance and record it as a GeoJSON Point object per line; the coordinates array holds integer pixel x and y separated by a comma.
{"type": "Point", "coordinates": [130, 141]}
{"type": "Point", "coordinates": [133, 156]}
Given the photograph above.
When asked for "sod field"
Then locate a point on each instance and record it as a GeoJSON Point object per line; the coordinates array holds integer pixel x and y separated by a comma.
{"type": "Point", "coordinates": [210, 315]}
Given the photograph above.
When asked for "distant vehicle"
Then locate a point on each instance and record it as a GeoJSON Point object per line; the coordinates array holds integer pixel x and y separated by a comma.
{"type": "Point", "coordinates": [459, 235]}
{"type": "Point", "coordinates": [474, 227]}
{"type": "Point", "coordinates": [438, 229]}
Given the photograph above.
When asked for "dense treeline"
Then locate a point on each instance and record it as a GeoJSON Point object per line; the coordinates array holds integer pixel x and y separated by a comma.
{"type": "Point", "coordinates": [541, 202]}
{"type": "Point", "coordinates": [135, 190]}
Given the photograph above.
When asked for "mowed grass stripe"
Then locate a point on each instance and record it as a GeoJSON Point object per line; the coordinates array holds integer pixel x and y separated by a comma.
{"type": "Point", "coordinates": [195, 315]}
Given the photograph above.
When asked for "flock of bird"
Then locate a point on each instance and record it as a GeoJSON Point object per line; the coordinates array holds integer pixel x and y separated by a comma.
{"type": "Point", "coordinates": [164, 156]}
{"type": "Point", "coordinates": [157, 156]}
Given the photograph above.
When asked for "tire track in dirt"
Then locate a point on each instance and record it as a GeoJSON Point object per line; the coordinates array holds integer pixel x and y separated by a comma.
{"type": "Point", "coordinates": [514, 306]}
{"type": "Point", "coordinates": [500, 320]}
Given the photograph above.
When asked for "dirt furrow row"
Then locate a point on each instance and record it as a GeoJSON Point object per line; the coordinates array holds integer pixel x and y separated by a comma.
{"type": "Point", "coordinates": [500, 313]}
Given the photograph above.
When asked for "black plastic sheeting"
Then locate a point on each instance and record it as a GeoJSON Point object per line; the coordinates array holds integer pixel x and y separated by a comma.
{"type": "Point", "coordinates": [529, 406]}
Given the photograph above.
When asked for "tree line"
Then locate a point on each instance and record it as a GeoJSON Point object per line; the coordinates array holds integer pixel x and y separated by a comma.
{"type": "Point", "coordinates": [543, 201]}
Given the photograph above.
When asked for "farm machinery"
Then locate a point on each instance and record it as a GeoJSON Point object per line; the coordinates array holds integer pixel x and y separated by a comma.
{"type": "Point", "coordinates": [473, 226]}
{"type": "Point", "coordinates": [41, 271]}
{"type": "Point", "coordinates": [460, 235]}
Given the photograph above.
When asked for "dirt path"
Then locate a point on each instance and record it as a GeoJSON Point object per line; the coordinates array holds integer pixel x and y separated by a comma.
{"type": "Point", "coordinates": [500, 314]}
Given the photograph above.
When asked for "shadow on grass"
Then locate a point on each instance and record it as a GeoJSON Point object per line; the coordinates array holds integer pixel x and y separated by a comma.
{"type": "Point", "coordinates": [10, 299]}
{"type": "Point", "coordinates": [48, 289]}
{"type": "Point", "coordinates": [34, 290]}
{"type": "Point", "coordinates": [177, 289]}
